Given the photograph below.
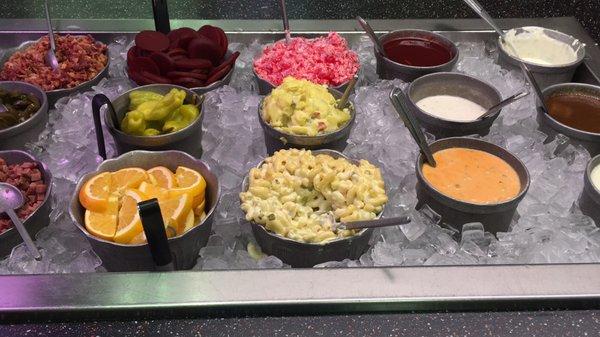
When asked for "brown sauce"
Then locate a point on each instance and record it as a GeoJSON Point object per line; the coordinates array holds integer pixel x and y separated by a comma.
{"type": "Point", "coordinates": [577, 110]}
{"type": "Point", "coordinates": [472, 176]}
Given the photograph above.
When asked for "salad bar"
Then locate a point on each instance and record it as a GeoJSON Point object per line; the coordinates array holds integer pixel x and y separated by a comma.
{"type": "Point", "coordinates": [269, 157]}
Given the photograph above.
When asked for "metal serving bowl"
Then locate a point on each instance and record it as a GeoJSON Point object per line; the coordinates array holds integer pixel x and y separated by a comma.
{"type": "Point", "coordinates": [184, 248]}
{"type": "Point", "coordinates": [16, 136]}
{"type": "Point", "coordinates": [40, 217]}
{"type": "Point", "coordinates": [589, 201]}
{"type": "Point", "coordinates": [494, 217]}
{"type": "Point", "coordinates": [55, 95]}
{"type": "Point", "coordinates": [305, 255]}
{"type": "Point", "coordinates": [454, 84]}
{"type": "Point", "coordinates": [276, 140]}
{"type": "Point", "coordinates": [547, 75]}
{"type": "Point", "coordinates": [388, 69]}
{"type": "Point", "coordinates": [188, 139]}
{"type": "Point", "coordinates": [550, 126]}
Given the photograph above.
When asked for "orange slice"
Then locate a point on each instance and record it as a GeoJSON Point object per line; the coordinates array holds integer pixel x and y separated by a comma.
{"type": "Point", "coordinates": [129, 223]}
{"type": "Point", "coordinates": [94, 193]}
{"type": "Point", "coordinates": [138, 239]}
{"type": "Point", "coordinates": [190, 222]}
{"type": "Point", "coordinates": [199, 209]}
{"type": "Point", "coordinates": [188, 181]}
{"type": "Point", "coordinates": [102, 225]}
{"type": "Point", "coordinates": [130, 177]}
{"type": "Point", "coordinates": [153, 191]}
{"type": "Point", "coordinates": [161, 177]}
{"type": "Point", "coordinates": [175, 210]}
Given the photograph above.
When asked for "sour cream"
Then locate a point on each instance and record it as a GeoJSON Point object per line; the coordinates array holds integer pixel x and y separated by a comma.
{"type": "Point", "coordinates": [451, 108]}
{"type": "Point", "coordinates": [533, 45]}
{"type": "Point", "coordinates": [595, 177]}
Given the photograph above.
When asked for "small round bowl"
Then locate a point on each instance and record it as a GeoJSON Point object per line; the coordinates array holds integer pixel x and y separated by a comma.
{"type": "Point", "coordinates": [388, 69]}
{"type": "Point", "coordinates": [305, 255]}
{"type": "Point", "coordinates": [276, 140]}
{"type": "Point", "coordinates": [56, 94]}
{"type": "Point", "coordinates": [589, 201]}
{"type": "Point", "coordinates": [16, 136]}
{"type": "Point", "coordinates": [550, 126]}
{"type": "Point", "coordinates": [40, 217]}
{"type": "Point", "coordinates": [454, 84]}
{"type": "Point", "coordinates": [188, 139]}
{"type": "Point", "coordinates": [494, 217]}
{"type": "Point", "coordinates": [545, 75]}
{"type": "Point", "coordinates": [184, 248]}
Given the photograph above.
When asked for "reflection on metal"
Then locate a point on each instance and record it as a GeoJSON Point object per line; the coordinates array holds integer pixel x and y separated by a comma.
{"type": "Point", "coordinates": [352, 289]}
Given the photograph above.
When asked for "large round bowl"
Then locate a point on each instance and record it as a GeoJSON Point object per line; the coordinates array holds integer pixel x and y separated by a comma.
{"type": "Point", "coordinates": [454, 84]}
{"type": "Point", "coordinates": [55, 95]}
{"type": "Point", "coordinates": [40, 217]}
{"type": "Point", "coordinates": [16, 136]}
{"type": "Point", "coordinates": [550, 126]}
{"type": "Point", "coordinates": [545, 75]}
{"type": "Point", "coordinates": [184, 248]}
{"type": "Point", "coordinates": [388, 69]}
{"type": "Point", "coordinates": [276, 140]}
{"type": "Point", "coordinates": [188, 139]}
{"type": "Point", "coordinates": [494, 217]}
{"type": "Point", "coordinates": [305, 255]}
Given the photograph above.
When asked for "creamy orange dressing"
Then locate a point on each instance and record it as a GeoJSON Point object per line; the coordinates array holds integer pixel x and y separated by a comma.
{"type": "Point", "coordinates": [473, 176]}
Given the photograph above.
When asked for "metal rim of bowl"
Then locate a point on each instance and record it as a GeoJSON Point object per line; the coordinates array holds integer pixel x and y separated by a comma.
{"type": "Point", "coordinates": [579, 56]}
{"type": "Point", "coordinates": [199, 104]}
{"type": "Point", "coordinates": [562, 87]}
{"type": "Point", "coordinates": [591, 165]}
{"type": "Point", "coordinates": [89, 175]}
{"type": "Point", "coordinates": [339, 131]}
{"type": "Point", "coordinates": [469, 77]}
{"type": "Point", "coordinates": [464, 204]}
{"type": "Point", "coordinates": [102, 73]}
{"type": "Point", "coordinates": [48, 181]}
{"type": "Point", "coordinates": [334, 154]}
{"type": "Point", "coordinates": [454, 49]}
{"type": "Point", "coordinates": [31, 120]}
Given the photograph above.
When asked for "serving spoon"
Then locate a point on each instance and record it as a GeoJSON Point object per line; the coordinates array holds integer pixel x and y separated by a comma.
{"type": "Point", "coordinates": [371, 33]}
{"type": "Point", "coordinates": [344, 100]}
{"type": "Point", "coordinates": [50, 58]}
{"type": "Point", "coordinates": [503, 103]}
{"type": "Point", "coordinates": [286, 22]}
{"type": "Point", "coordinates": [383, 222]}
{"type": "Point", "coordinates": [10, 199]}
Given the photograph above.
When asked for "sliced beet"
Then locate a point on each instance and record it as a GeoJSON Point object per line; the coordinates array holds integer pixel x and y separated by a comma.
{"type": "Point", "coordinates": [188, 82]}
{"type": "Point", "coordinates": [150, 40]}
{"type": "Point", "coordinates": [204, 48]}
{"type": "Point", "coordinates": [134, 51]}
{"type": "Point", "coordinates": [185, 41]}
{"type": "Point", "coordinates": [216, 35]}
{"type": "Point", "coordinates": [190, 64]}
{"type": "Point", "coordinates": [138, 78]}
{"type": "Point", "coordinates": [176, 52]}
{"type": "Point", "coordinates": [155, 78]}
{"type": "Point", "coordinates": [178, 74]}
{"type": "Point", "coordinates": [178, 33]}
{"type": "Point", "coordinates": [217, 75]}
{"type": "Point", "coordinates": [230, 61]}
{"type": "Point", "coordinates": [139, 64]}
{"type": "Point", "coordinates": [164, 62]}
{"type": "Point", "coordinates": [202, 71]}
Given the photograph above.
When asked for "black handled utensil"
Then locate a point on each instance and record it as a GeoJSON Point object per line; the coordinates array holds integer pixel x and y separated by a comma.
{"type": "Point", "coordinates": [156, 235]}
{"type": "Point", "coordinates": [161, 16]}
{"type": "Point", "coordinates": [383, 222]}
{"type": "Point", "coordinates": [98, 101]}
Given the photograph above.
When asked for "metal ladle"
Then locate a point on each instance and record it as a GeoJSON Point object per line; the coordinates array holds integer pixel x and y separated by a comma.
{"type": "Point", "coordinates": [503, 103]}
{"type": "Point", "coordinates": [10, 199]}
{"type": "Point", "coordinates": [50, 58]}
{"type": "Point", "coordinates": [367, 28]}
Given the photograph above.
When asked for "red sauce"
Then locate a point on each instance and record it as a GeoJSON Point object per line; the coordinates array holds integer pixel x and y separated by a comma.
{"type": "Point", "coordinates": [577, 110]}
{"type": "Point", "coordinates": [414, 51]}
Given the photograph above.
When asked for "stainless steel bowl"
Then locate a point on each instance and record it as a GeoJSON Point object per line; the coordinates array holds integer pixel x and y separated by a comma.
{"type": "Point", "coordinates": [454, 84]}
{"type": "Point", "coordinates": [40, 217]}
{"type": "Point", "coordinates": [388, 69]}
{"type": "Point", "coordinates": [188, 139]}
{"type": "Point", "coordinates": [55, 95]}
{"type": "Point", "coordinates": [336, 140]}
{"type": "Point", "coordinates": [547, 124]}
{"type": "Point", "coordinates": [589, 200]}
{"type": "Point", "coordinates": [15, 137]}
{"type": "Point", "coordinates": [494, 217]}
{"type": "Point", "coordinates": [184, 248]}
{"type": "Point", "coordinates": [305, 255]}
{"type": "Point", "coordinates": [546, 76]}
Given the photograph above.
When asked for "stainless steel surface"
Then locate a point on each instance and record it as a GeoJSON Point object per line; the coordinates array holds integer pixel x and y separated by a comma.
{"type": "Point", "coordinates": [184, 248]}
{"type": "Point", "coordinates": [454, 84]}
{"type": "Point", "coordinates": [507, 101]}
{"type": "Point", "coordinates": [51, 59]}
{"type": "Point", "coordinates": [495, 217]}
{"type": "Point", "coordinates": [293, 290]}
{"type": "Point", "coordinates": [11, 199]}
{"type": "Point", "coordinates": [369, 30]}
{"type": "Point", "coordinates": [399, 101]}
{"type": "Point", "coordinates": [390, 69]}
{"type": "Point", "coordinates": [40, 217]}
{"type": "Point", "coordinates": [16, 136]}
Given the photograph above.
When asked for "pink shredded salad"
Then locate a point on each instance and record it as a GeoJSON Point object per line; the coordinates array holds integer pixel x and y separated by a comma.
{"type": "Point", "coordinates": [323, 60]}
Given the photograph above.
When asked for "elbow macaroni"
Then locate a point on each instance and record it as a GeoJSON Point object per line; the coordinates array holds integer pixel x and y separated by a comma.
{"type": "Point", "coordinates": [300, 195]}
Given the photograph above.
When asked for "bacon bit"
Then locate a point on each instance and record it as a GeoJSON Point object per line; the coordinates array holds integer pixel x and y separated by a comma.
{"type": "Point", "coordinates": [316, 114]}
{"type": "Point", "coordinates": [321, 126]}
